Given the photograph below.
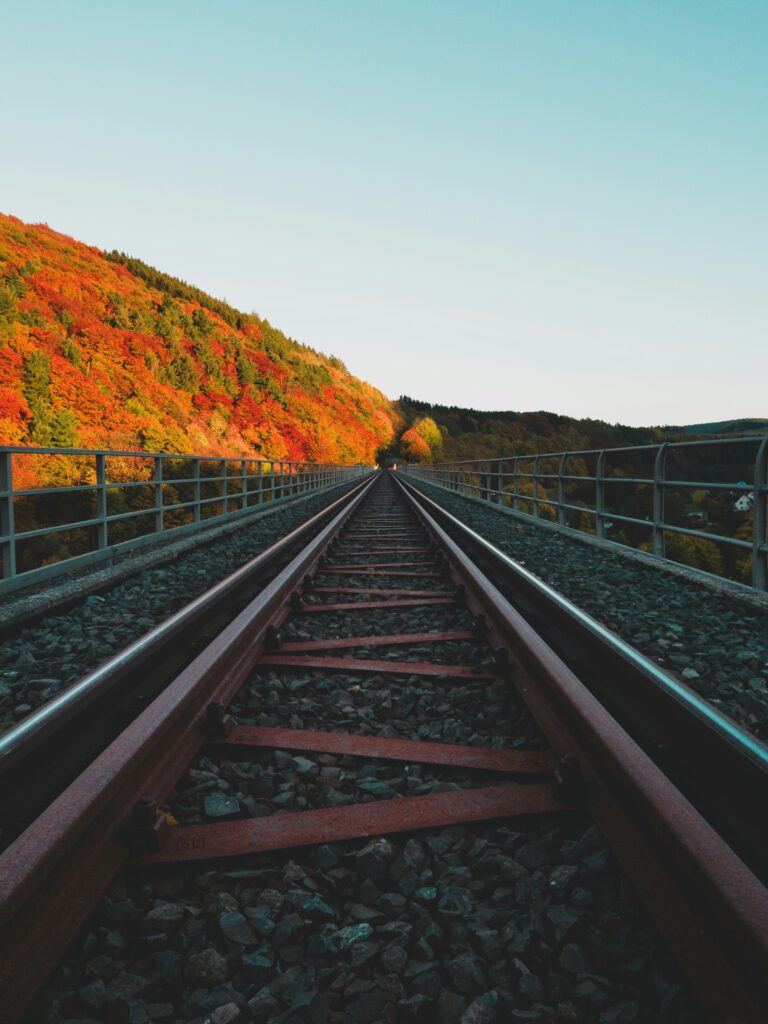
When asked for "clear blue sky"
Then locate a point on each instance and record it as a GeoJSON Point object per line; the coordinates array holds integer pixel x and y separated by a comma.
{"type": "Point", "coordinates": [526, 205]}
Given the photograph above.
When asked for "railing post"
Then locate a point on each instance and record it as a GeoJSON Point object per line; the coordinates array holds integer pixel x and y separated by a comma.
{"type": "Point", "coordinates": [196, 496]}
{"type": "Point", "coordinates": [516, 484]}
{"type": "Point", "coordinates": [760, 518]}
{"type": "Point", "coordinates": [224, 485]}
{"type": "Point", "coordinates": [600, 495]}
{"type": "Point", "coordinates": [157, 476]}
{"type": "Point", "coordinates": [244, 485]}
{"type": "Point", "coordinates": [536, 485]}
{"type": "Point", "coordinates": [6, 515]}
{"type": "Point", "coordinates": [101, 502]}
{"type": "Point", "coordinates": [562, 516]}
{"type": "Point", "coordinates": [659, 470]}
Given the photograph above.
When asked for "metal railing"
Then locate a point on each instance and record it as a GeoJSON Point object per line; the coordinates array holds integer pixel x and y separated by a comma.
{"type": "Point", "coordinates": [544, 486]}
{"type": "Point", "coordinates": [61, 508]}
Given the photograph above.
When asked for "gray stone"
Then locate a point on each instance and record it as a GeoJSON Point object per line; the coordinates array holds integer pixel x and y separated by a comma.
{"type": "Point", "coordinates": [394, 959]}
{"type": "Point", "coordinates": [94, 996]}
{"type": "Point", "coordinates": [225, 1014]}
{"type": "Point", "coordinates": [572, 959]}
{"type": "Point", "coordinates": [466, 974]}
{"type": "Point", "coordinates": [413, 854]}
{"type": "Point", "coordinates": [258, 967]}
{"type": "Point", "coordinates": [326, 858]}
{"type": "Point", "coordinates": [597, 863]}
{"type": "Point", "coordinates": [235, 927]}
{"type": "Point", "coordinates": [530, 987]}
{"type": "Point", "coordinates": [262, 1007]}
{"type": "Point", "coordinates": [455, 902]}
{"type": "Point", "coordinates": [206, 968]}
{"type": "Point", "coordinates": [562, 878]}
{"type": "Point", "coordinates": [296, 979]}
{"type": "Point", "coordinates": [414, 1009]}
{"type": "Point", "coordinates": [360, 952]}
{"type": "Point", "coordinates": [358, 912]}
{"type": "Point", "coordinates": [220, 807]}
{"type": "Point", "coordinates": [272, 899]}
{"type": "Point", "coordinates": [260, 920]}
{"type": "Point", "coordinates": [483, 1009]}
{"type": "Point", "coordinates": [160, 1011]}
{"type": "Point", "coordinates": [428, 984]}
{"type": "Point", "coordinates": [287, 929]}
{"type": "Point", "coordinates": [167, 915]}
{"type": "Point", "coordinates": [440, 844]}
{"type": "Point", "coordinates": [562, 920]}
{"type": "Point", "coordinates": [168, 966]}
{"type": "Point", "coordinates": [346, 937]}
{"type": "Point", "coordinates": [220, 903]}
{"type": "Point", "coordinates": [450, 1007]}
{"type": "Point", "coordinates": [366, 1009]}
{"type": "Point", "coordinates": [115, 941]}
{"type": "Point", "coordinates": [305, 767]}
{"type": "Point", "coordinates": [378, 789]}
{"type": "Point", "coordinates": [317, 909]}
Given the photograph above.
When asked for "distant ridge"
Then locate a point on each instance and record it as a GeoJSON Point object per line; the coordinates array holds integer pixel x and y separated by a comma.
{"type": "Point", "coordinates": [747, 426]}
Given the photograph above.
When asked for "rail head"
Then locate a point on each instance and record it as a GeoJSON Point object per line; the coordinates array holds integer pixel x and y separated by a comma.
{"type": "Point", "coordinates": [747, 744]}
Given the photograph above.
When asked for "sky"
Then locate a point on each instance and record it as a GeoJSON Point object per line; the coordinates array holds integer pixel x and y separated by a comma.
{"type": "Point", "coordinates": [520, 205]}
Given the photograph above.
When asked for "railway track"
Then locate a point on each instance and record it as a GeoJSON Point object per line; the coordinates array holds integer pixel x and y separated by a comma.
{"type": "Point", "coordinates": [380, 685]}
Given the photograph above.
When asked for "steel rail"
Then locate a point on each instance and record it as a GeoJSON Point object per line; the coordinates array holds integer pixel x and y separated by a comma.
{"type": "Point", "coordinates": [49, 727]}
{"type": "Point", "coordinates": [55, 872]}
{"type": "Point", "coordinates": [24, 736]}
{"type": "Point", "coordinates": [712, 909]}
{"type": "Point", "coordinates": [719, 766]}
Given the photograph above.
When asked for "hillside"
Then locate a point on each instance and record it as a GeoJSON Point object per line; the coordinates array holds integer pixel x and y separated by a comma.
{"type": "Point", "coordinates": [472, 434]}
{"type": "Point", "coordinates": [753, 426]}
{"type": "Point", "coordinates": [102, 351]}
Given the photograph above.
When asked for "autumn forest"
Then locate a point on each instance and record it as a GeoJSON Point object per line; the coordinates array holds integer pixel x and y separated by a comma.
{"type": "Point", "coordinates": [100, 350]}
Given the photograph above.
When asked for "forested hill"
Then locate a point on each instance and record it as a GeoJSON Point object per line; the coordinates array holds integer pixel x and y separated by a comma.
{"type": "Point", "coordinates": [724, 427]}
{"type": "Point", "coordinates": [472, 434]}
{"type": "Point", "coordinates": [102, 351]}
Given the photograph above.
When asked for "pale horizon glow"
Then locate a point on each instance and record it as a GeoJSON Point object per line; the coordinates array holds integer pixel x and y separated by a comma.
{"type": "Point", "coordinates": [537, 205]}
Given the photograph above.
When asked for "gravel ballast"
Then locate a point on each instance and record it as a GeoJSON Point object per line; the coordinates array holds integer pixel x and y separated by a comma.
{"type": "Point", "coordinates": [38, 661]}
{"type": "Point", "coordinates": [527, 920]}
{"type": "Point", "coordinates": [711, 641]}
{"type": "Point", "coordinates": [465, 925]}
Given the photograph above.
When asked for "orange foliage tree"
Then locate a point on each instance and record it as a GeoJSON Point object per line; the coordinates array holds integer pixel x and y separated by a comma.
{"type": "Point", "coordinates": [99, 350]}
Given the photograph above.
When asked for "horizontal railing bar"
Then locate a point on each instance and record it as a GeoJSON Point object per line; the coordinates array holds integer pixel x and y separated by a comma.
{"type": "Point", "coordinates": [754, 439]}
{"type": "Point", "coordinates": [32, 492]}
{"type": "Point", "coordinates": [716, 537]}
{"type": "Point", "coordinates": [167, 456]}
{"type": "Point", "coordinates": [711, 485]}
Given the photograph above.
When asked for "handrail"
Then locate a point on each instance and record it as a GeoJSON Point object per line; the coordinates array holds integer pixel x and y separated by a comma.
{"type": "Point", "coordinates": [47, 527]}
{"type": "Point", "coordinates": [537, 485]}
